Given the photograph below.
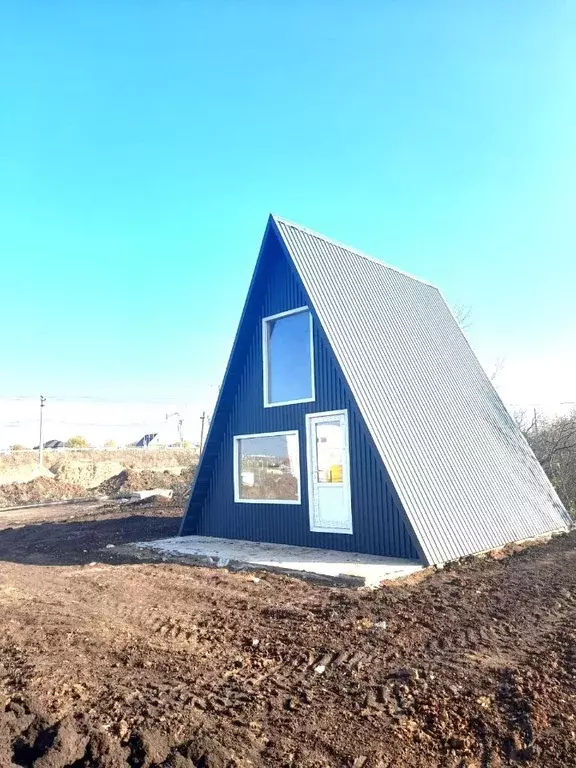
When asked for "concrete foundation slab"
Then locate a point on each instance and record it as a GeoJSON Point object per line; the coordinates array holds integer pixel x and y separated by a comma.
{"type": "Point", "coordinates": [326, 565]}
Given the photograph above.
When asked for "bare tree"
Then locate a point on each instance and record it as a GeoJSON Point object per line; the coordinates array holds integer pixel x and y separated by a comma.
{"type": "Point", "coordinates": [554, 443]}
{"type": "Point", "coordinates": [463, 315]}
{"type": "Point", "coordinates": [498, 367]}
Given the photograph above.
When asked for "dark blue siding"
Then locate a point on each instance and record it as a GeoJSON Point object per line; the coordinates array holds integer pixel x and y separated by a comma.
{"type": "Point", "coordinates": [378, 522]}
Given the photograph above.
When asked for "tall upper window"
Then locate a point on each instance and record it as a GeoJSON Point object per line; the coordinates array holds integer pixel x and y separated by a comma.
{"type": "Point", "coordinates": [288, 358]}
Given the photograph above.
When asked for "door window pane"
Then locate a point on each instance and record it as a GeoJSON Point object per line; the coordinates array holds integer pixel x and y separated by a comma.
{"type": "Point", "coordinates": [268, 468]}
{"type": "Point", "coordinates": [330, 451]}
{"type": "Point", "coordinates": [289, 358]}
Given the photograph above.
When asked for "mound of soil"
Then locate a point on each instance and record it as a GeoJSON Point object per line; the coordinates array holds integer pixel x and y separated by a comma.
{"type": "Point", "coordinates": [59, 488]}
{"type": "Point", "coordinates": [89, 474]}
{"type": "Point", "coordinates": [38, 490]}
{"type": "Point", "coordinates": [30, 737]}
{"type": "Point", "coordinates": [132, 480]}
{"type": "Point", "coordinates": [23, 474]}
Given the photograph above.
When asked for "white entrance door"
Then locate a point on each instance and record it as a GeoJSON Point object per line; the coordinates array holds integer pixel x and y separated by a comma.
{"type": "Point", "coordinates": [329, 472]}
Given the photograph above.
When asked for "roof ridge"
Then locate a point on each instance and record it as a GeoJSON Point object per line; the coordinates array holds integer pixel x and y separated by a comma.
{"type": "Point", "coordinates": [348, 248]}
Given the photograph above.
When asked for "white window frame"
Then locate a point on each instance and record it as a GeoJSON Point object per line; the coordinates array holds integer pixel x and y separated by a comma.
{"type": "Point", "coordinates": [265, 361]}
{"type": "Point", "coordinates": [236, 450]}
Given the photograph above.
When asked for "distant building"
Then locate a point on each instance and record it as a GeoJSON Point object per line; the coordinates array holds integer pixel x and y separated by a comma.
{"type": "Point", "coordinates": [147, 440]}
{"type": "Point", "coordinates": [354, 416]}
{"type": "Point", "coordinates": [51, 444]}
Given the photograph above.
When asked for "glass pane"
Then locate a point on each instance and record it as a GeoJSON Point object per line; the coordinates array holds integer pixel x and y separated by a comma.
{"type": "Point", "coordinates": [330, 451]}
{"type": "Point", "coordinates": [268, 467]}
{"type": "Point", "coordinates": [289, 361]}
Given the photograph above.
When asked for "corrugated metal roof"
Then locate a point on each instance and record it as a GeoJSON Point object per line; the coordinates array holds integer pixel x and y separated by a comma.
{"type": "Point", "coordinates": [463, 471]}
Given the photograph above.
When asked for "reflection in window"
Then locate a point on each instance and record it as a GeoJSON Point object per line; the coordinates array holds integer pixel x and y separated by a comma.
{"type": "Point", "coordinates": [267, 468]}
{"type": "Point", "coordinates": [288, 358]}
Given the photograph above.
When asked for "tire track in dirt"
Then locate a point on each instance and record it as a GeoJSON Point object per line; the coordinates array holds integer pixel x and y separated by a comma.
{"type": "Point", "coordinates": [173, 667]}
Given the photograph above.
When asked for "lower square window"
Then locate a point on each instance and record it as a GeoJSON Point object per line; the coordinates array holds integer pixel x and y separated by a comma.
{"type": "Point", "coordinates": [267, 468]}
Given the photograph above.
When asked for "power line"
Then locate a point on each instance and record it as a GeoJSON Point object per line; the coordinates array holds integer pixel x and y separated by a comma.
{"type": "Point", "coordinates": [96, 399]}
{"type": "Point", "coordinates": [100, 424]}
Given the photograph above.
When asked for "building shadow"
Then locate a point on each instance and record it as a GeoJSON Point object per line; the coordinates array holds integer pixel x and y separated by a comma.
{"type": "Point", "coordinates": [80, 542]}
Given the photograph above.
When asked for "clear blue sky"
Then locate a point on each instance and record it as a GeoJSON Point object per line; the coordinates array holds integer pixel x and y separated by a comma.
{"type": "Point", "coordinates": [142, 145]}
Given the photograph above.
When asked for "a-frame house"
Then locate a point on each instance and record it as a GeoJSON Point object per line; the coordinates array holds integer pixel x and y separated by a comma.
{"type": "Point", "coordinates": [354, 416]}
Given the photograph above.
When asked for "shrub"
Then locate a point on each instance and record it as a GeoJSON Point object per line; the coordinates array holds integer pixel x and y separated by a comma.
{"type": "Point", "coordinates": [77, 441]}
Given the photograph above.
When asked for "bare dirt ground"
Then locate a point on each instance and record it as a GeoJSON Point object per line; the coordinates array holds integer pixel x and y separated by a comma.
{"type": "Point", "coordinates": [109, 662]}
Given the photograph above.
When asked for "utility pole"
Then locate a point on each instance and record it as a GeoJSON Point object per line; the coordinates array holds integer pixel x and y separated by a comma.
{"type": "Point", "coordinates": [180, 422]}
{"type": "Point", "coordinates": [202, 419]}
{"type": "Point", "coordinates": [41, 446]}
